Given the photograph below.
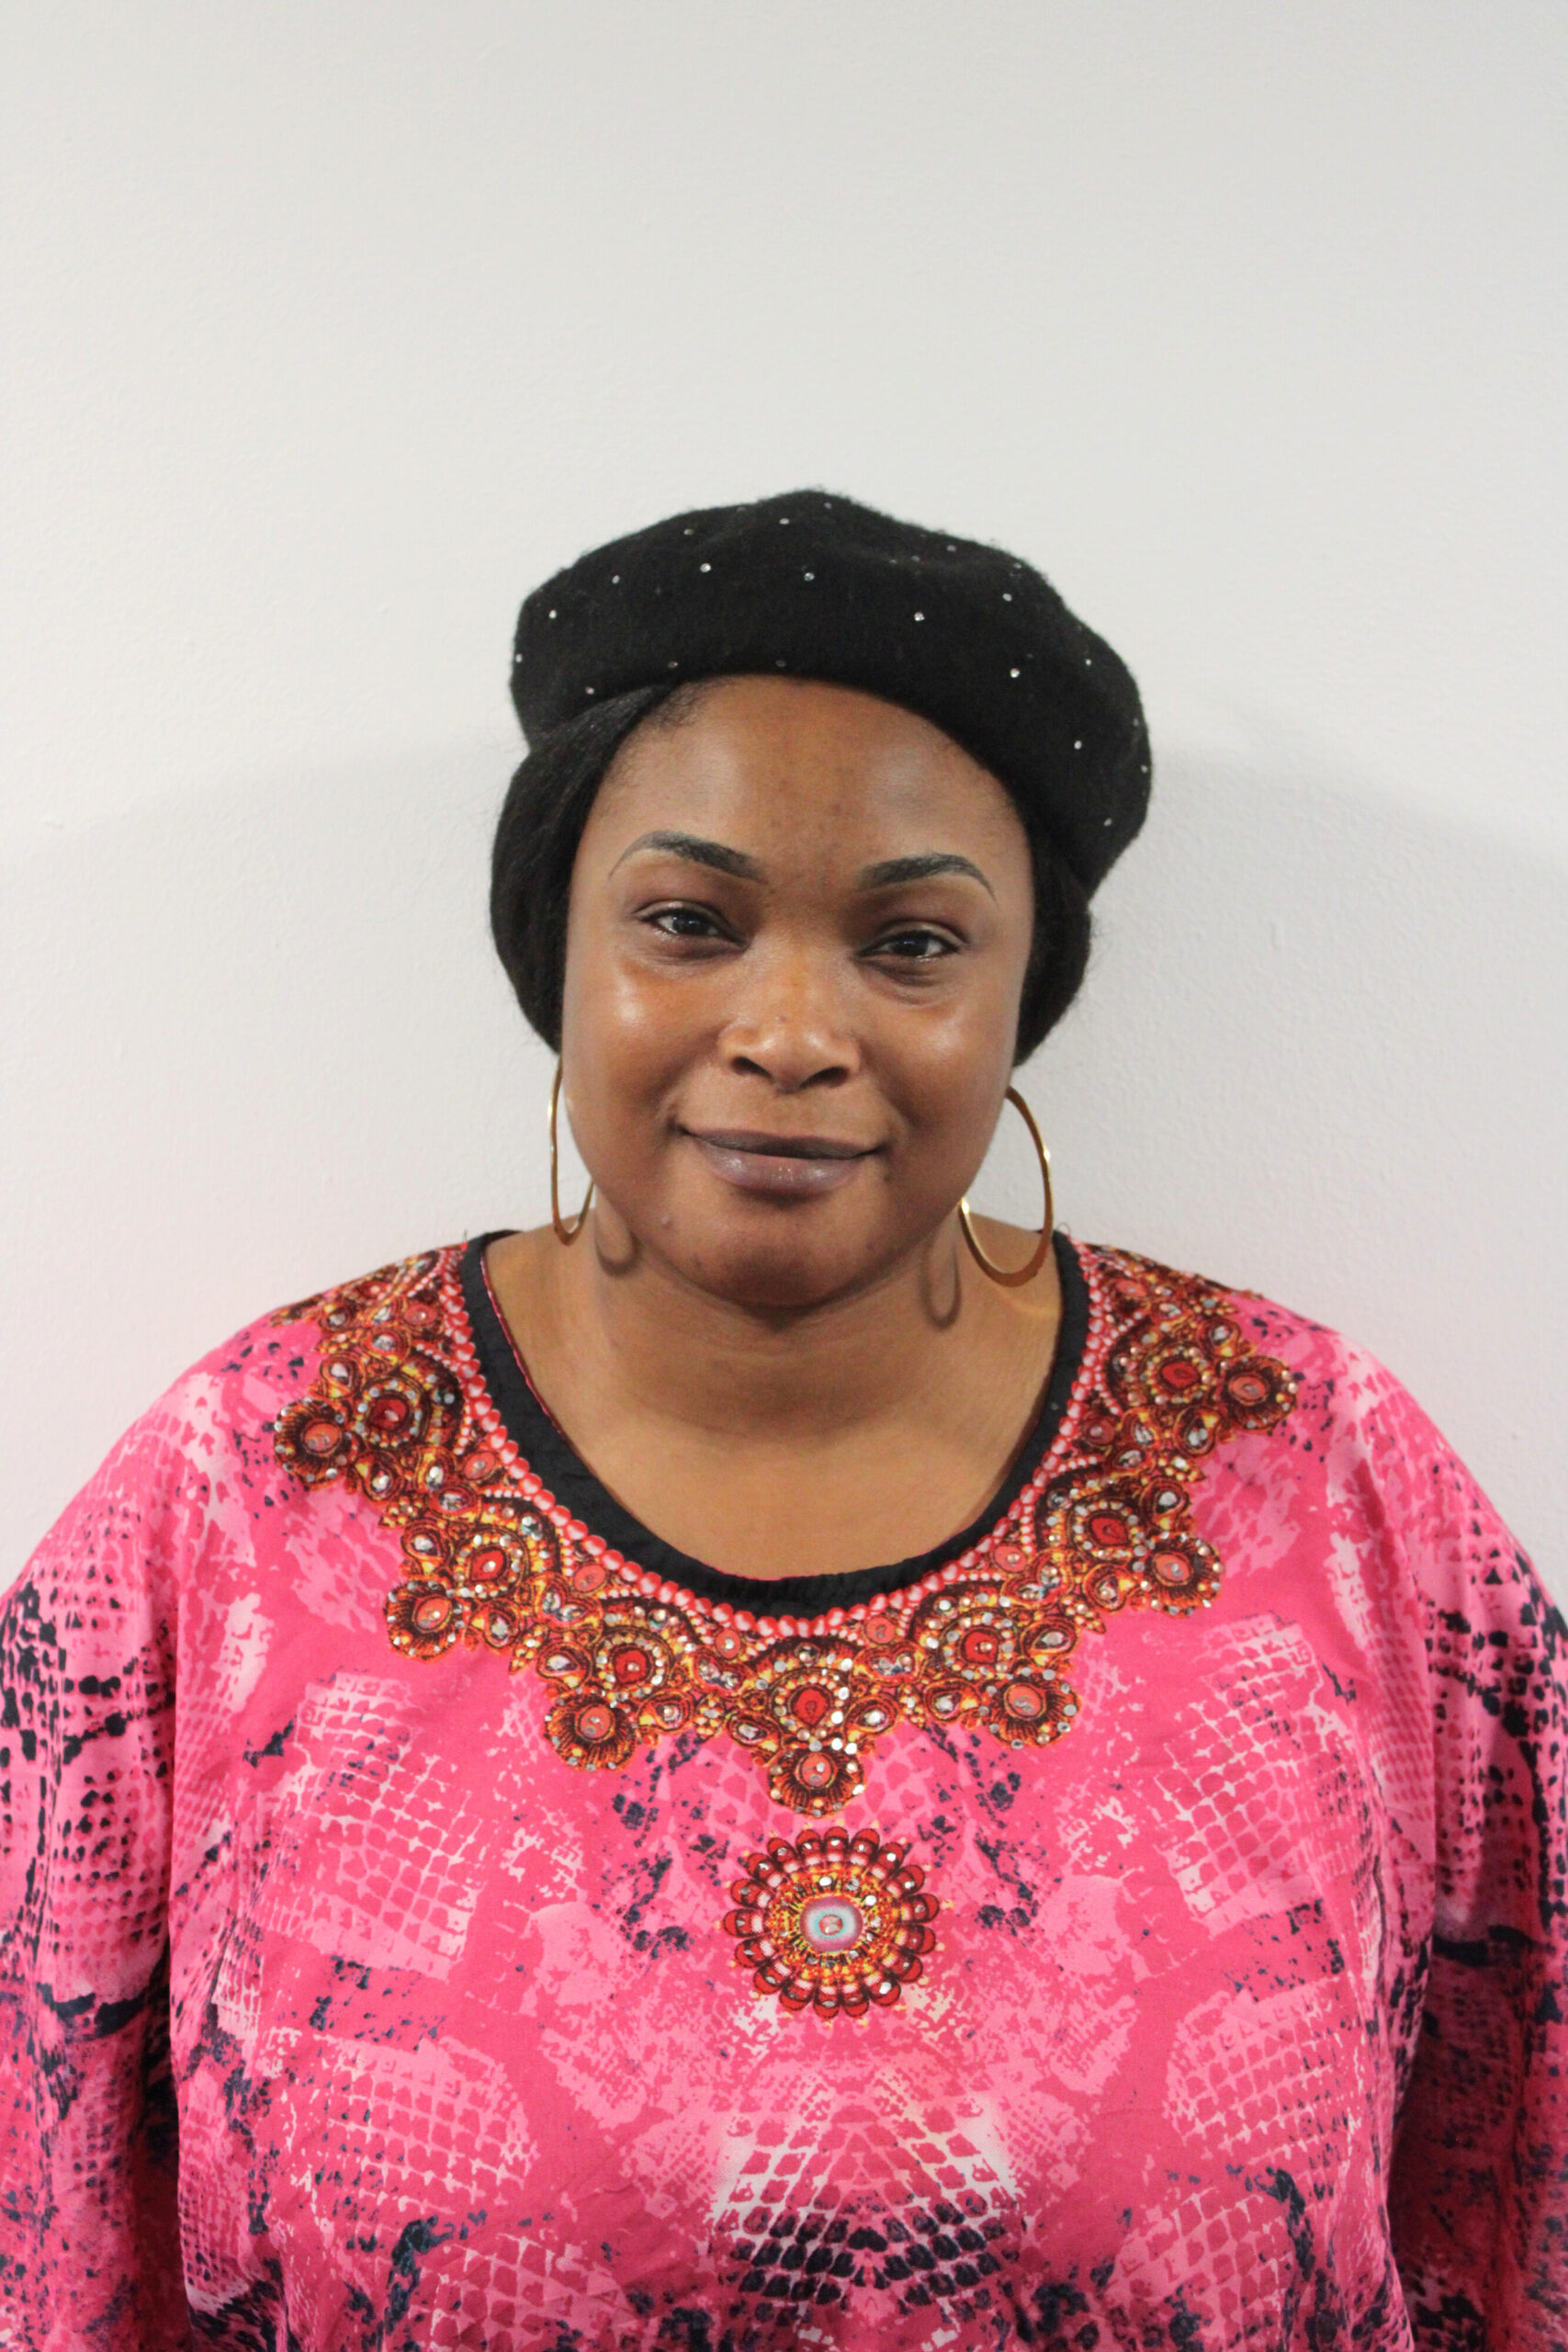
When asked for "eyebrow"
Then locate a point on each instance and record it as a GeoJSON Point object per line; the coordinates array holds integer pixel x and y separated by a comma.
{"type": "Point", "coordinates": [696, 851]}
{"type": "Point", "coordinates": [885, 875]}
{"type": "Point", "coordinates": [892, 870]}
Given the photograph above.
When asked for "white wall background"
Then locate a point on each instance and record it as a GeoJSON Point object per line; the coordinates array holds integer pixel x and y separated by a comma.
{"type": "Point", "coordinates": [333, 328]}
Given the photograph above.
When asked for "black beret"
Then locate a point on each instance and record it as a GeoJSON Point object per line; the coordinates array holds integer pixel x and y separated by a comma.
{"type": "Point", "coordinates": [813, 587]}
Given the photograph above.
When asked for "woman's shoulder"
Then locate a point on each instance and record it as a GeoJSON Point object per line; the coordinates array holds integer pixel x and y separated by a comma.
{"type": "Point", "coordinates": [417, 1292]}
{"type": "Point", "coordinates": [265, 1364]}
{"type": "Point", "coordinates": [1348, 1447]}
{"type": "Point", "coordinates": [1222, 1319]}
{"type": "Point", "coordinates": [1348, 1422]}
{"type": "Point", "coordinates": [274, 1409]}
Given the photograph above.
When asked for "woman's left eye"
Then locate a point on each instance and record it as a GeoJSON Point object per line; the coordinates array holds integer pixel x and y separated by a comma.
{"type": "Point", "coordinates": [914, 947]}
{"type": "Point", "coordinates": [683, 922]}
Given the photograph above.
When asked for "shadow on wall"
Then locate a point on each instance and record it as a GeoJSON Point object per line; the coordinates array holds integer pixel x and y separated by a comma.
{"type": "Point", "coordinates": [257, 1042]}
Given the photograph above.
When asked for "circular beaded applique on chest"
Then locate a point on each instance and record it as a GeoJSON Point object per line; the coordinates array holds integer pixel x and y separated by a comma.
{"type": "Point", "coordinates": [832, 1923]}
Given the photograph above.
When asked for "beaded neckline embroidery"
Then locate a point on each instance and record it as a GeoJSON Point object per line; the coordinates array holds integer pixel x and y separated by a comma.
{"type": "Point", "coordinates": [399, 1411]}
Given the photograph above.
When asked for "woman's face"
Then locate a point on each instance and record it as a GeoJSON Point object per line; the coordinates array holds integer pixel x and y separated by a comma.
{"type": "Point", "coordinates": [800, 919]}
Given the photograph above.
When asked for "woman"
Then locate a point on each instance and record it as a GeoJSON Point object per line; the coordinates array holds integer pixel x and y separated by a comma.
{"type": "Point", "coordinates": [493, 1858]}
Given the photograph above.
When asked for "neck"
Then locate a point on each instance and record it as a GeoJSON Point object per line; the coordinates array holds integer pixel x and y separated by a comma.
{"type": "Point", "coordinates": [628, 1331]}
{"type": "Point", "coordinates": [740, 1372]}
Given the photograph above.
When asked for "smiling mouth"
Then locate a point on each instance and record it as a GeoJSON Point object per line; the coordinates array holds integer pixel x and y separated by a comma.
{"type": "Point", "coordinates": [778, 1147]}
{"type": "Point", "coordinates": [787, 1166]}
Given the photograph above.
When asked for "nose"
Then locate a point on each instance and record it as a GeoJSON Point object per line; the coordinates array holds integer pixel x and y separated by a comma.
{"type": "Point", "coordinates": [789, 1024]}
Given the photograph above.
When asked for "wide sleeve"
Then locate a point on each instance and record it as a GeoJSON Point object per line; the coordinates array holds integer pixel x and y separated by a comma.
{"type": "Point", "coordinates": [1479, 2196]}
{"type": "Point", "coordinates": [89, 2243]}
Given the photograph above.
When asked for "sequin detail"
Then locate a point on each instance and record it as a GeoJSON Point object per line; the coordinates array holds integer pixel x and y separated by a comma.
{"type": "Point", "coordinates": [832, 1923]}
{"type": "Point", "coordinates": [399, 1411]}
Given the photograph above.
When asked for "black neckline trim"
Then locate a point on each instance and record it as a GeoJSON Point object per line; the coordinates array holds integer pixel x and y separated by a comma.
{"type": "Point", "coordinates": [551, 1454]}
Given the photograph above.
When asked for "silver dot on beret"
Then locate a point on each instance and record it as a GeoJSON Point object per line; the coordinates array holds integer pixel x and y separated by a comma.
{"type": "Point", "coordinates": [870, 571]}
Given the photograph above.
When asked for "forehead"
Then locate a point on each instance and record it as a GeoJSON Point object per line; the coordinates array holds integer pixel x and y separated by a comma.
{"type": "Point", "coordinates": [788, 760]}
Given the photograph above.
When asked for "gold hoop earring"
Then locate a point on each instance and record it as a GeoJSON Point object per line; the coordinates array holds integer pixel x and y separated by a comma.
{"type": "Point", "coordinates": [1013, 1280]}
{"type": "Point", "coordinates": [564, 1232]}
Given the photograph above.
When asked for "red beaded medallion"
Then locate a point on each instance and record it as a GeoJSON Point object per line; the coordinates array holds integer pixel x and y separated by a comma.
{"type": "Point", "coordinates": [832, 1923]}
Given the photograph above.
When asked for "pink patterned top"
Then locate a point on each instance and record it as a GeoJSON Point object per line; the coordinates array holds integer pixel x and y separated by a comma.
{"type": "Point", "coordinates": [433, 1913]}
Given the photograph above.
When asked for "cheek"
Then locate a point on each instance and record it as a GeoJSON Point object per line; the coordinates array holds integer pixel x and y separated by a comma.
{"type": "Point", "coordinates": [953, 1064]}
{"type": "Point", "coordinates": [619, 1023]}
{"type": "Point", "coordinates": [627, 1037]}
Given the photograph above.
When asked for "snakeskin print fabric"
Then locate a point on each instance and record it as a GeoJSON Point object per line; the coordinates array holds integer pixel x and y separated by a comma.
{"type": "Point", "coordinates": [346, 2007]}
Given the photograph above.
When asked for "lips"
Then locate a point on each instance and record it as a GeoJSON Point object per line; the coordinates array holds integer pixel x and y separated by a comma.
{"type": "Point", "coordinates": [789, 1167]}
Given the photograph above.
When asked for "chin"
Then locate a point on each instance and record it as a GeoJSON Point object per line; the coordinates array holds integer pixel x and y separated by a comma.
{"type": "Point", "coordinates": [778, 1277]}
